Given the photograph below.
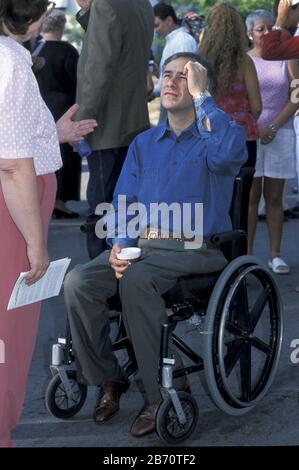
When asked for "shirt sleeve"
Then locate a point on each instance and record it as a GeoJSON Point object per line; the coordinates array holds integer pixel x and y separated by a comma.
{"type": "Point", "coordinates": [279, 45]}
{"type": "Point", "coordinates": [225, 144]}
{"type": "Point", "coordinates": [19, 110]}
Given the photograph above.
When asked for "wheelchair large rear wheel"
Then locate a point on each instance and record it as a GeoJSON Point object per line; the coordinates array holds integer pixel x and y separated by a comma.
{"type": "Point", "coordinates": [242, 336]}
{"type": "Point", "coordinates": [170, 430]}
{"type": "Point", "coordinates": [57, 401]}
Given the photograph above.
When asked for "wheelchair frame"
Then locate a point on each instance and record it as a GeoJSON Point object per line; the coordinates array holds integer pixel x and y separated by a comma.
{"type": "Point", "coordinates": [230, 321]}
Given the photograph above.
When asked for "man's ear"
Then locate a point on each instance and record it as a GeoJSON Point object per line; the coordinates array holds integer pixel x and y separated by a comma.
{"type": "Point", "coordinates": [169, 21]}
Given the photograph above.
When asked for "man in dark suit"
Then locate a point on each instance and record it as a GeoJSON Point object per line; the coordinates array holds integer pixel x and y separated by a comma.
{"type": "Point", "coordinates": [112, 88]}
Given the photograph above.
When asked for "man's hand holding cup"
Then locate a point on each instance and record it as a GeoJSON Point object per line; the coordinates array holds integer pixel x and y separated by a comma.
{"type": "Point", "coordinates": [121, 257]}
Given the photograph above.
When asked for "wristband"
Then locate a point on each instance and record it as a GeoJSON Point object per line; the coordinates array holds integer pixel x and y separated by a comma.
{"type": "Point", "coordinates": [200, 97]}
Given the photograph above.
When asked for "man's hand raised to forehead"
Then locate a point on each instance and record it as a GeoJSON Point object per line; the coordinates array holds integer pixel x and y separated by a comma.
{"type": "Point", "coordinates": [284, 9]}
{"type": "Point", "coordinates": [84, 4]}
{"type": "Point", "coordinates": [197, 78]}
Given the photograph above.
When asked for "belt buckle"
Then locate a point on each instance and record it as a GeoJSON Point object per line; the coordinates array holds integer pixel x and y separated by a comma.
{"type": "Point", "coordinates": [152, 235]}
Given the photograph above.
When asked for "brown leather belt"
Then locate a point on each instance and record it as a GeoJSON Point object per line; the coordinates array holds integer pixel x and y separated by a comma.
{"type": "Point", "coordinates": [156, 235]}
{"type": "Point", "coordinates": [189, 243]}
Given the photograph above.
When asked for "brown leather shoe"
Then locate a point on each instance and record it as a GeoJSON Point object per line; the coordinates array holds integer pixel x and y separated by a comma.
{"type": "Point", "coordinates": [145, 422]}
{"type": "Point", "coordinates": [108, 401]}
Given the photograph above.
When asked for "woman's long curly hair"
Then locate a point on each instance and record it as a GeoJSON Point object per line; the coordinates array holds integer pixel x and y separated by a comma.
{"type": "Point", "coordinates": [224, 45]}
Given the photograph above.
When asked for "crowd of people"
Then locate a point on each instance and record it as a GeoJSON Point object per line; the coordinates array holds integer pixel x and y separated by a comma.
{"type": "Point", "coordinates": [226, 102]}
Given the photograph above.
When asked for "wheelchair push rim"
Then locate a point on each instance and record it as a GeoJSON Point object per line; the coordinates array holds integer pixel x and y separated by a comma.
{"type": "Point", "coordinates": [243, 336]}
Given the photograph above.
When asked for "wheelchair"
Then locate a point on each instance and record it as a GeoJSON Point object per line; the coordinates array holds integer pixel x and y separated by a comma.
{"type": "Point", "coordinates": [240, 316]}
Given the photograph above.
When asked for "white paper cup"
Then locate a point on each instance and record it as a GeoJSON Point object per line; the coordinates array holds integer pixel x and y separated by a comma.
{"type": "Point", "coordinates": [131, 254]}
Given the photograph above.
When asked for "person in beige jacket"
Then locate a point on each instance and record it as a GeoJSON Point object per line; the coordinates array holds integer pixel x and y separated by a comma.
{"type": "Point", "coordinates": [112, 88]}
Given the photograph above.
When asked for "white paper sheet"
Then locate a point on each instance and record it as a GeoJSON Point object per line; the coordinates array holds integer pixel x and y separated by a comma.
{"type": "Point", "coordinates": [48, 286]}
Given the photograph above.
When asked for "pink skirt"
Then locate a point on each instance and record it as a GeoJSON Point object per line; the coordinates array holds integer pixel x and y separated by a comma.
{"type": "Point", "coordinates": [18, 327]}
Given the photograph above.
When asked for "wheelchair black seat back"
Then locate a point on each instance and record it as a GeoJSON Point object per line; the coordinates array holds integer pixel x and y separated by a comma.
{"type": "Point", "coordinates": [241, 334]}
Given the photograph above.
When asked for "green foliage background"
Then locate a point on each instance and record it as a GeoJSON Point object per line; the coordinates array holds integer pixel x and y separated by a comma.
{"type": "Point", "coordinates": [202, 6]}
{"type": "Point", "coordinates": [74, 32]}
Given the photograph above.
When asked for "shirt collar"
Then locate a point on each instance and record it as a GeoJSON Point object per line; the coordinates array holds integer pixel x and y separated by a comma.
{"type": "Point", "coordinates": [173, 33]}
{"type": "Point", "coordinates": [163, 130]}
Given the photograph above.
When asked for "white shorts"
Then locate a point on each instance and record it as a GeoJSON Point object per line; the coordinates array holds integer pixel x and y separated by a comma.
{"type": "Point", "coordinates": [277, 159]}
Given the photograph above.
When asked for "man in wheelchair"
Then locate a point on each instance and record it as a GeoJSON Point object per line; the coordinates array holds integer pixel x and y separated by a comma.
{"type": "Point", "coordinates": [193, 158]}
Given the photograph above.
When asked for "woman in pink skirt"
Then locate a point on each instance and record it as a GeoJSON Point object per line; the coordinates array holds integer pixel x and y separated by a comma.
{"type": "Point", "coordinates": [29, 156]}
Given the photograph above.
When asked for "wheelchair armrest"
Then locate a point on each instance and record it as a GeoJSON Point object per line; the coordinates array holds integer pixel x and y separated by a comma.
{"type": "Point", "coordinates": [228, 236]}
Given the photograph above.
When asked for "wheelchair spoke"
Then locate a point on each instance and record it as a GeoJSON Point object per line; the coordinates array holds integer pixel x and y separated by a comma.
{"type": "Point", "coordinates": [258, 308]}
{"type": "Point", "coordinates": [62, 399]}
{"type": "Point", "coordinates": [242, 309]}
{"type": "Point", "coordinates": [173, 426]}
{"type": "Point", "coordinates": [261, 345]}
{"type": "Point", "coordinates": [63, 403]}
{"type": "Point", "coordinates": [234, 329]}
{"type": "Point", "coordinates": [232, 356]}
{"type": "Point", "coordinates": [245, 370]}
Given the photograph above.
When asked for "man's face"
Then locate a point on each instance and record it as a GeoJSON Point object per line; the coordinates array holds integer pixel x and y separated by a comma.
{"type": "Point", "coordinates": [162, 27]}
{"type": "Point", "coordinates": [174, 90]}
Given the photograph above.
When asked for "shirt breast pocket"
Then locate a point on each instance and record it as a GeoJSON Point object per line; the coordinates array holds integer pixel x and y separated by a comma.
{"type": "Point", "coordinates": [192, 162]}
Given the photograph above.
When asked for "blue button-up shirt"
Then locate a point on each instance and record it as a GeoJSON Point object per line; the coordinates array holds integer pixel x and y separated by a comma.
{"type": "Point", "coordinates": [196, 166]}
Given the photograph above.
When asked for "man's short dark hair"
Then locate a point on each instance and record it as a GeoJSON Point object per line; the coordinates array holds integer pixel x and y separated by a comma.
{"type": "Point", "coordinates": [18, 15]}
{"type": "Point", "coordinates": [194, 58]}
{"type": "Point", "coordinates": [162, 11]}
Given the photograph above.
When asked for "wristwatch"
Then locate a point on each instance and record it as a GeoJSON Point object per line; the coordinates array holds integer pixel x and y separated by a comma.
{"type": "Point", "coordinates": [200, 98]}
{"type": "Point", "coordinates": [277, 28]}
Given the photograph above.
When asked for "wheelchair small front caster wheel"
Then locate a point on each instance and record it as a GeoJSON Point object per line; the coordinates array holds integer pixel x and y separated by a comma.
{"type": "Point", "coordinates": [168, 426]}
{"type": "Point", "coordinates": [57, 402]}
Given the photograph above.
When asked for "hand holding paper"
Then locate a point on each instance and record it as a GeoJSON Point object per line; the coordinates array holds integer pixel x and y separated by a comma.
{"type": "Point", "coordinates": [48, 286]}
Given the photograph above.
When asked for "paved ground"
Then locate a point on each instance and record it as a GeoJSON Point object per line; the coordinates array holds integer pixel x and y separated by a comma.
{"type": "Point", "coordinates": [272, 422]}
